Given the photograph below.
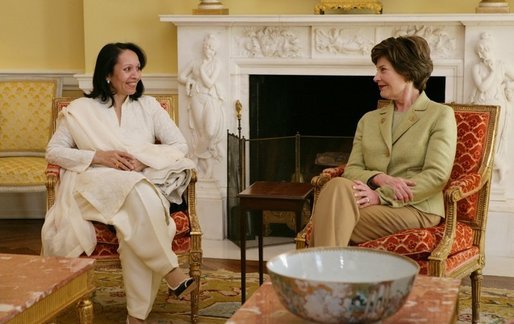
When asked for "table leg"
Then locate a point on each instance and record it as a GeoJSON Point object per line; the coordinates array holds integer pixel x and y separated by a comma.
{"type": "Point", "coordinates": [85, 310]}
{"type": "Point", "coordinates": [299, 220]}
{"type": "Point", "coordinates": [261, 253]}
{"type": "Point", "coordinates": [242, 247]}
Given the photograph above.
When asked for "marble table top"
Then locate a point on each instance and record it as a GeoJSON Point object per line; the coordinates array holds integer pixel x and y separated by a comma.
{"type": "Point", "coordinates": [27, 279]}
{"type": "Point", "coordinates": [432, 300]}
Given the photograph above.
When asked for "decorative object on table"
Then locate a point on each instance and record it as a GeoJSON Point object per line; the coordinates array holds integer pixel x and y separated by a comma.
{"type": "Point", "coordinates": [210, 7]}
{"type": "Point", "coordinates": [333, 285]}
{"type": "Point", "coordinates": [348, 7]}
{"type": "Point", "coordinates": [493, 6]}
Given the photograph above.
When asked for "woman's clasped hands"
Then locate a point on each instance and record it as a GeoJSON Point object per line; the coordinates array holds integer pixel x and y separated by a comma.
{"type": "Point", "coordinates": [365, 196]}
{"type": "Point", "coordinates": [118, 160]}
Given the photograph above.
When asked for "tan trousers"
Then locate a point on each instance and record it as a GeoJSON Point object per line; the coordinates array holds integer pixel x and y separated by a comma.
{"type": "Point", "coordinates": [337, 219]}
{"type": "Point", "coordinates": [144, 247]}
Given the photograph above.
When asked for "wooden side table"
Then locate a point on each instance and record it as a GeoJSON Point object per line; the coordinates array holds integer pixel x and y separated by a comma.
{"type": "Point", "coordinates": [269, 195]}
{"type": "Point", "coordinates": [34, 289]}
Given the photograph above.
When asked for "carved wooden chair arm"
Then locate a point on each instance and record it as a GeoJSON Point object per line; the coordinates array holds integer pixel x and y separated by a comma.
{"type": "Point", "coordinates": [325, 176]}
{"type": "Point", "coordinates": [457, 190]}
{"type": "Point", "coordinates": [52, 178]}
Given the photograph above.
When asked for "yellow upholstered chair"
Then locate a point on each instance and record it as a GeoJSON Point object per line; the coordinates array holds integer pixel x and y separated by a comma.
{"type": "Point", "coordinates": [25, 118]}
{"type": "Point", "coordinates": [187, 243]}
{"type": "Point", "coordinates": [454, 248]}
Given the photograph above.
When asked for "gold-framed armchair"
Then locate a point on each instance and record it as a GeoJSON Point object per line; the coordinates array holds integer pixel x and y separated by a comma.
{"type": "Point", "coordinates": [456, 247]}
{"type": "Point", "coordinates": [187, 243]}
{"type": "Point", "coordinates": [25, 119]}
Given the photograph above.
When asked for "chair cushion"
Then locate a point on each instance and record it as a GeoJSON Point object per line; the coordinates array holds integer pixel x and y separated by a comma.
{"type": "Point", "coordinates": [107, 241]}
{"type": "Point", "coordinates": [418, 243]}
{"type": "Point", "coordinates": [454, 262]}
{"type": "Point", "coordinates": [22, 171]}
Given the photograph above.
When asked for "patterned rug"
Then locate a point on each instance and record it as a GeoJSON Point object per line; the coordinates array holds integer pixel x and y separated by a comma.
{"type": "Point", "coordinates": [220, 298]}
{"type": "Point", "coordinates": [496, 306]}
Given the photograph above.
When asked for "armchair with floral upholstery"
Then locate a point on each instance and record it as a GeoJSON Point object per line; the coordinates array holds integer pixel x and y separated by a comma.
{"type": "Point", "coordinates": [187, 241]}
{"type": "Point", "coordinates": [454, 248]}
{"type": "Point", "coordinates": [25, 117]}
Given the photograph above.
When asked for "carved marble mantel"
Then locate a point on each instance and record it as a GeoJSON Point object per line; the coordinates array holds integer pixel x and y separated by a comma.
{"type": "Point", "coordinates": [335, 45]}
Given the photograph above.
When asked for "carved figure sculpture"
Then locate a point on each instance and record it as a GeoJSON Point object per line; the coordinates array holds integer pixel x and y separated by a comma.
{"type": "Point", "coordinates": [205, 110]}
{"type": "Point", "coordinates": [493, 79]}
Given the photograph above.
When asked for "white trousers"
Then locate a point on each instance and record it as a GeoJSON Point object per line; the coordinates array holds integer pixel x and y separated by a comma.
{"type": "Point", "coordinates": [144, 246]}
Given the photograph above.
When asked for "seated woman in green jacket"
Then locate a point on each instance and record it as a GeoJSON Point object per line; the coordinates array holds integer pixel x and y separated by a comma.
{"type": "Point", "coordinates": [401, 158]}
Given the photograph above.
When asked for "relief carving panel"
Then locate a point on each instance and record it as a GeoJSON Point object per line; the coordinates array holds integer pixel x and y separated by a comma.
{"type": "Point", "coordinates": [270, 42]}
{"type": "Point", "coordinates": [347, 41]}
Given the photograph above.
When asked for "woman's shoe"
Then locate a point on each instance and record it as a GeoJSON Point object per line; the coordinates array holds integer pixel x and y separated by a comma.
{"type": "Point", "coordinates": [185, 287]}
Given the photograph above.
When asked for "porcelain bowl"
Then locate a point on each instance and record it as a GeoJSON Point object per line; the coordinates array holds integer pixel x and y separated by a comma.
{"type": "Point", "coordinates": [342, 285]}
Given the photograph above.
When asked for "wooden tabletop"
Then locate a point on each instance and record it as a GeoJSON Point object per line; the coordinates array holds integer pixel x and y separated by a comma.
{"type": "Point", "coordinates": [276, 189]}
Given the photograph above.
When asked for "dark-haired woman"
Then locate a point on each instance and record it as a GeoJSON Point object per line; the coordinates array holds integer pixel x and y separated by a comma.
{"type": "Point", "coordinates": [114, 173]}
{"type": "Point", "coordinates": [401, 158]}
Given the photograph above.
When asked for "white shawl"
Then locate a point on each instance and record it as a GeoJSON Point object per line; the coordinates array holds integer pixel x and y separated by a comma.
{"type": "Point", "coordinates": [66, 232]}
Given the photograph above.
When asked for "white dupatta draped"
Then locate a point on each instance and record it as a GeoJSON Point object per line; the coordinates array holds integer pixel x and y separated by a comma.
{"type": "Point", "coordinates": [66, 232]}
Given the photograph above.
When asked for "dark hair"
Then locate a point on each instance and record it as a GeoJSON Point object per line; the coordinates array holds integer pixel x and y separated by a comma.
{"type": "Point", "coordinates": [107, 58]}
{"type": "Point", "coordinates": [409, 56]}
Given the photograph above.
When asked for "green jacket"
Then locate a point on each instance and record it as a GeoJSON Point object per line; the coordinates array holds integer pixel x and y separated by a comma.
{"type": "Point", "coordinates": [421, 148]}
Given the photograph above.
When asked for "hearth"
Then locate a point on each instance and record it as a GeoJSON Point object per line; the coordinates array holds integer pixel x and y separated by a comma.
{"type": "Point", "coordinates": [296, 118]}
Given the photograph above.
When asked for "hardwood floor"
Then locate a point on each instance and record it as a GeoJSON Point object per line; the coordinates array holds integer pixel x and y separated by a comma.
{"type": "Point", "coordinates": [23, 236]}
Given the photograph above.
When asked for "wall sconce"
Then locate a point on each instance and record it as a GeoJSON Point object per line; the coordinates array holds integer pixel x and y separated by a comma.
{"type": "Point", "coordinates": [348, 7]}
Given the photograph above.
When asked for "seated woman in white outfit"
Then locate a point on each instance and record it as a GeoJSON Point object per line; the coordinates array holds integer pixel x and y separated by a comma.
{"type": "Point", "coordinates": [114, 173]}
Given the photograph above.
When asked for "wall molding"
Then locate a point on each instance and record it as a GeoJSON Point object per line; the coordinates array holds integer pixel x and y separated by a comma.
{"type": "Point", "coordinates": [66, 79]}
{"type": "Point", "coordinates": [155, 84]}
{"type": "Point", "coordinates": [158, 83]}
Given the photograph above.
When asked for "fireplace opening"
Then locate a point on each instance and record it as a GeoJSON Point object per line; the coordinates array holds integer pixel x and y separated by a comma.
{"type": "Point", "coordinates": [322, 111]}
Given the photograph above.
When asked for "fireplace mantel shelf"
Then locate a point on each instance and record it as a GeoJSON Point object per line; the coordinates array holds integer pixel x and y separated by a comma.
{"type": "Point", "coordinates": [229, 20]}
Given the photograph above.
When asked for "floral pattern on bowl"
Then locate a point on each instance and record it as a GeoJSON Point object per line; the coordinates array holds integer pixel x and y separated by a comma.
{"type": "Point", "coordinates": [357, 298]}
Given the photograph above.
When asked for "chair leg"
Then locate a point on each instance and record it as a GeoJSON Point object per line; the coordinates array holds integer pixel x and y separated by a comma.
{"type": "Point", "coordinates": [195, 272]}
{"type": "Point", "coordinates": [476, 288]}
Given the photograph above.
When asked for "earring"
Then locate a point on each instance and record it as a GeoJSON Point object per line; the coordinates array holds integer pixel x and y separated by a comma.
{"type": "Point", "coordinates": [108, 81]}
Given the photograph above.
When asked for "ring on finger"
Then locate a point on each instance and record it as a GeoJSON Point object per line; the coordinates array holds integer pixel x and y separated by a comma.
{"type": "Point", "coordinates": [117, 164]}
{"type": "Point", "coordinates": [367, 200]}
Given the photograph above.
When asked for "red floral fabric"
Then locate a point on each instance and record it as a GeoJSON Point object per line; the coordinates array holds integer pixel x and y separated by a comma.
{"type": "Point", "coordinates": [471, 132]}
{"type": "Point", "coordinates": [52, 169]}
{"type": "Point", "coordinates": [418, 243]}
{"type": "Point", "coordinates": [335, 172]}
{"type": "Point", "coordinates": [453, 262]}
{"type": "Point", "coordinates": [107, 241]}
{"type": "Point", "coordinates": [181, 220]}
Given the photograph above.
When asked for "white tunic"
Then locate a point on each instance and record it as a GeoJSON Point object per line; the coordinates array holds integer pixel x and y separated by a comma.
{"type": "Point", "coordinates": [87, 125]}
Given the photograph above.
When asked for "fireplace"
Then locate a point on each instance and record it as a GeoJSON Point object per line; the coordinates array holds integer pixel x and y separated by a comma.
{"type": "Point", "coordinates": [318, 47]}
{"type": "Point", "coordinates": [307, 120]}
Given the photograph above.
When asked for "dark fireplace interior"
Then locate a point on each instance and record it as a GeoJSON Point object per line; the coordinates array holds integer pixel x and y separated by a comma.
{"type": "Point", "coordinates": [322, 110]}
